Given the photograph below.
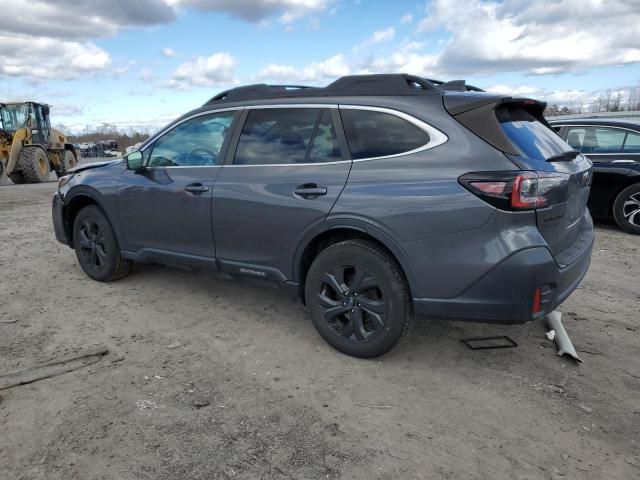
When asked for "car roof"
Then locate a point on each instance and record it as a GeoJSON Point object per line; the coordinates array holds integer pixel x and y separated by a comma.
{"type": "Point", "coordinates": [350, 85]}
{"type": "Point", "coordinates": [601, 122]}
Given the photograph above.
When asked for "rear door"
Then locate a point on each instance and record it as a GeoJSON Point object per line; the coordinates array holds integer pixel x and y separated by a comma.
{"type": "Point", "coordinates": [566, 176]}
{"type": "Point", "coordinates": [283, 177]}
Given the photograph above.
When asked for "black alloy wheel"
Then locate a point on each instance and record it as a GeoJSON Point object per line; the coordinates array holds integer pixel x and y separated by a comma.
{"type": "Point", "coordinates": [96, 246]}
{"type": "Point", "coordinates": [92, 247]}
{"type": "Point", "coordinates": [358, 298]}
{"type": "Point", "coordinates": [354, 303]}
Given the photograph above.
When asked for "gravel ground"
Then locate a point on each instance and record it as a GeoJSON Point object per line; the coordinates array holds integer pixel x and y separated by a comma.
{"type": "Point", "coordinates": [208, 378]}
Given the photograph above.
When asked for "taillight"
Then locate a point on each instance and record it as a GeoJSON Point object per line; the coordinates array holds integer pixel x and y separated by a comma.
{"type": "Point", "coordinates": [520, 190]}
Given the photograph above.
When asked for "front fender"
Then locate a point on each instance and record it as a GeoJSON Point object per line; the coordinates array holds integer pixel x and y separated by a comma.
{"type": "Point", "coordinates": [83, 192]}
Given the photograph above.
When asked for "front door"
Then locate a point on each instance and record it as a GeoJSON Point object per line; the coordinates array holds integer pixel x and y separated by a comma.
{"type": "Point", "coordinates": [286, 174]}
{"type": "Point", "coordinates": [165, 208]}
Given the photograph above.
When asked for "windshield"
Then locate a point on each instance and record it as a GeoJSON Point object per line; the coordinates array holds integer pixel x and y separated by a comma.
{"type": "Point", "coordinates": [14, 117]}
{"type": "Point", "coordinates": [532, 137]}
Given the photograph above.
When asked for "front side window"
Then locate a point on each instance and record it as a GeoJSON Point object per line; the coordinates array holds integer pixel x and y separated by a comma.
{"type": "Point", "coordinates": [377, 134]}
{"type": "Point", "coordinates": [596, 139]}
{"type": "Point", "coordinates": [276, 136]}
{"type": "Point", "coordinates": [194, 143]}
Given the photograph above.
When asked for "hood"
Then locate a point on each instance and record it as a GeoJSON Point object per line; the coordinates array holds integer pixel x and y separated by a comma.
{"type": "Point", "coordinates": [88, 166]}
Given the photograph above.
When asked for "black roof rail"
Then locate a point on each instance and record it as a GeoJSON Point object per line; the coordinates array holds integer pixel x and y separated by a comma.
{"type": "Point", "coordinates": [255, 91]}
{"type": "Point", "coordinates": [377, 84]}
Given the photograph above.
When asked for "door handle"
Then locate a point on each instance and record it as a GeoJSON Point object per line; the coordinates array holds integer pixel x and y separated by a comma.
{"type": "Point", "coordinates": [310, 190]}
{"type": "Point", "coordinates": [196, 188]}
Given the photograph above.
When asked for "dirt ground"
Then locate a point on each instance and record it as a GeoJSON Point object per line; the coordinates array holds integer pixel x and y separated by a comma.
{"type": "Point", "coordinates": [280, 403]}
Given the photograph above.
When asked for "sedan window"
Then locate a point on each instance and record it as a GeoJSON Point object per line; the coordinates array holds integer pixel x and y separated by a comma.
{"type": "Point", "coordinates": [596, 139]}
{"type": "Point", "coordinates": [194, 143]}
{"type": "Point", "coordinates": [632, 143]}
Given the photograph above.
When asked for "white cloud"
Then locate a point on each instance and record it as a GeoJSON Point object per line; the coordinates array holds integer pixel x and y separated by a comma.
{"type": "Point", "coordinates": [257, 11]}
{"type": "Point", "coordinates": [30, 57]}
{"type": "Point", "coordinates": [535, 37]}
{"type": "Point", "coordinates": [407, 18]}
{"type": "Point", "coordinates": [217, 69]}
{"type": "Point", "coordinates": [330, 68]}
{"type": "Point", "coordinates": [384, 35]}
{"type": "Point", "coordinates": [168, 52]}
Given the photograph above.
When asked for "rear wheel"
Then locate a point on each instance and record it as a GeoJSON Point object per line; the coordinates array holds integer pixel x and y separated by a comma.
{"type": "Point", "coordinates": [34, 165]}
{"type": "Point", "coordinates": [626, 209]}
{"type": "Point", "coordinates": [358, 298]}
{"type": "Point", "coordinates": [96, 246]}
{"type": "Point", "coordinates": [68, 160]}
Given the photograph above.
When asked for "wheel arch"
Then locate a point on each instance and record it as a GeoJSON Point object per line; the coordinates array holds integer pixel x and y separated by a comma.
{"type": "Point", "coordinates": [72, 149]}
{"type": "Point", "coordinates": [337, 230]}
{"type": "Point", "coordinates": [76, 200]}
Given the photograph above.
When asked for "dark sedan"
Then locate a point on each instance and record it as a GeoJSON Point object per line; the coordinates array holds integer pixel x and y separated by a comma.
{"type": "Point", "coordinates": [614, 148]}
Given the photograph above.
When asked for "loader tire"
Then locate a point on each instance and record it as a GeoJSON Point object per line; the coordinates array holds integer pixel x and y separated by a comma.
{"type": "Point", "coordinates": [17, 178]}
{"type": "Point", "coordinates": [34, 165]}
{"type": "Point", "coordinates": [68, 162]}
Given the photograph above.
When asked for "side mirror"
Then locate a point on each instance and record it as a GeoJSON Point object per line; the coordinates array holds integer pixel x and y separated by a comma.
{"type": "Point", "coordinates": [134, 161]}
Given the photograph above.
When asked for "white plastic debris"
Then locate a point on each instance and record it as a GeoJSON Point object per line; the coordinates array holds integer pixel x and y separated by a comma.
{"type": "Point", "coordinates": [551, 334]}
{"type": "Point", "coordinates": [563, 342]}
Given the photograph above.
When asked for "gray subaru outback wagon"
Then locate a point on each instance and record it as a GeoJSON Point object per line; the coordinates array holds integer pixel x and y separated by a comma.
{"type": "Point", "coordinates": [376, 198]}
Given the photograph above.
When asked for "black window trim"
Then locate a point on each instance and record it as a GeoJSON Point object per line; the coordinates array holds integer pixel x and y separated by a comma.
{"type": "Point", "coordinates": [566, 133]}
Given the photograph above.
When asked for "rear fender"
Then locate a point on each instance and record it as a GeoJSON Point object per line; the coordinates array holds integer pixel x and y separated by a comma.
{"type": "Point", "coordinates": [357, 225]}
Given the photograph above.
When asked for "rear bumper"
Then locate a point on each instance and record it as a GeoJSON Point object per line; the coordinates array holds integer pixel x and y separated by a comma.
{"type": "Point", "coordinates": [506, 293]}
{"type": "Point", "coordinates": [57, 213]}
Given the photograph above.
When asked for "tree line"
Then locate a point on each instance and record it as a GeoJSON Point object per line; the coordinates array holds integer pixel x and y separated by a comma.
{"type": "Point", "coordinates": [607, 101]}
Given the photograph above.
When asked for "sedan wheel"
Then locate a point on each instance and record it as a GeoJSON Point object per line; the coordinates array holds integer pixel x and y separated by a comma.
{"type": "Point", "coordinates": [626, 209]}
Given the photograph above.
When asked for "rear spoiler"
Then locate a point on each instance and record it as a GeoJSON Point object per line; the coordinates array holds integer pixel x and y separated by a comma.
{"type": "Point", "coordinates": [478, 114]}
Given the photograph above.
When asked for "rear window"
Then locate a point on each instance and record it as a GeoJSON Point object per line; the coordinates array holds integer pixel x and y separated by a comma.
{"type": "Point", "coordinates": [373, 134]}
{"type": "Point", "coordinates": [534, 139]}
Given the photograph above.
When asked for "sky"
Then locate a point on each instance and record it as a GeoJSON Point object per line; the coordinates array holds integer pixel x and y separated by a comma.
{"type": "Point", "coordinates": [141, 63]}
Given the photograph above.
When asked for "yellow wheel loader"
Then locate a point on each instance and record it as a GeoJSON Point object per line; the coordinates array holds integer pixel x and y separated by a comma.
{"type": "Point", "coordinates": [29, 148]}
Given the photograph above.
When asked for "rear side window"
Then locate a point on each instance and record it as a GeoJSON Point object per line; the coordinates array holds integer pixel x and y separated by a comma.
{"type": "Point", "coordinates": [273, 136]}
{"type": "Point", "coordinates": [533, 138]}
{"type": "Point", "coordinates": [632, 143]}
{"type": "Point", "coordinates": [596, 139]}
{"type": "Point", "coordinates": [377, 134]}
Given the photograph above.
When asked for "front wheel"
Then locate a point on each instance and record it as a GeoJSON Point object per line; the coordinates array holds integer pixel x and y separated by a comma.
{"type": "Point", "coordinates": [68, 161]}
{"type": "Point", "coordinates": [96, 246]}
{"type": "Point", "coordinates": [358, 298]}
{"type": "Point", "coordinates": [626, 209]}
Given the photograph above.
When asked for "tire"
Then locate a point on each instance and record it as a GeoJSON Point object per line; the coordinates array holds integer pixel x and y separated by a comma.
{"type": "Point", "coordinates": [373, 308]}
{"type": "Point", "coordinates": [68, 160]}
{"type": "Point", "coordinates": [96, 246]}
{"type": "Point", "coordinates": [17, 178]}
{"type": "Point", "coordinates": [626, 209]}
{"type": "Point", "coordinates": [34, 165]}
